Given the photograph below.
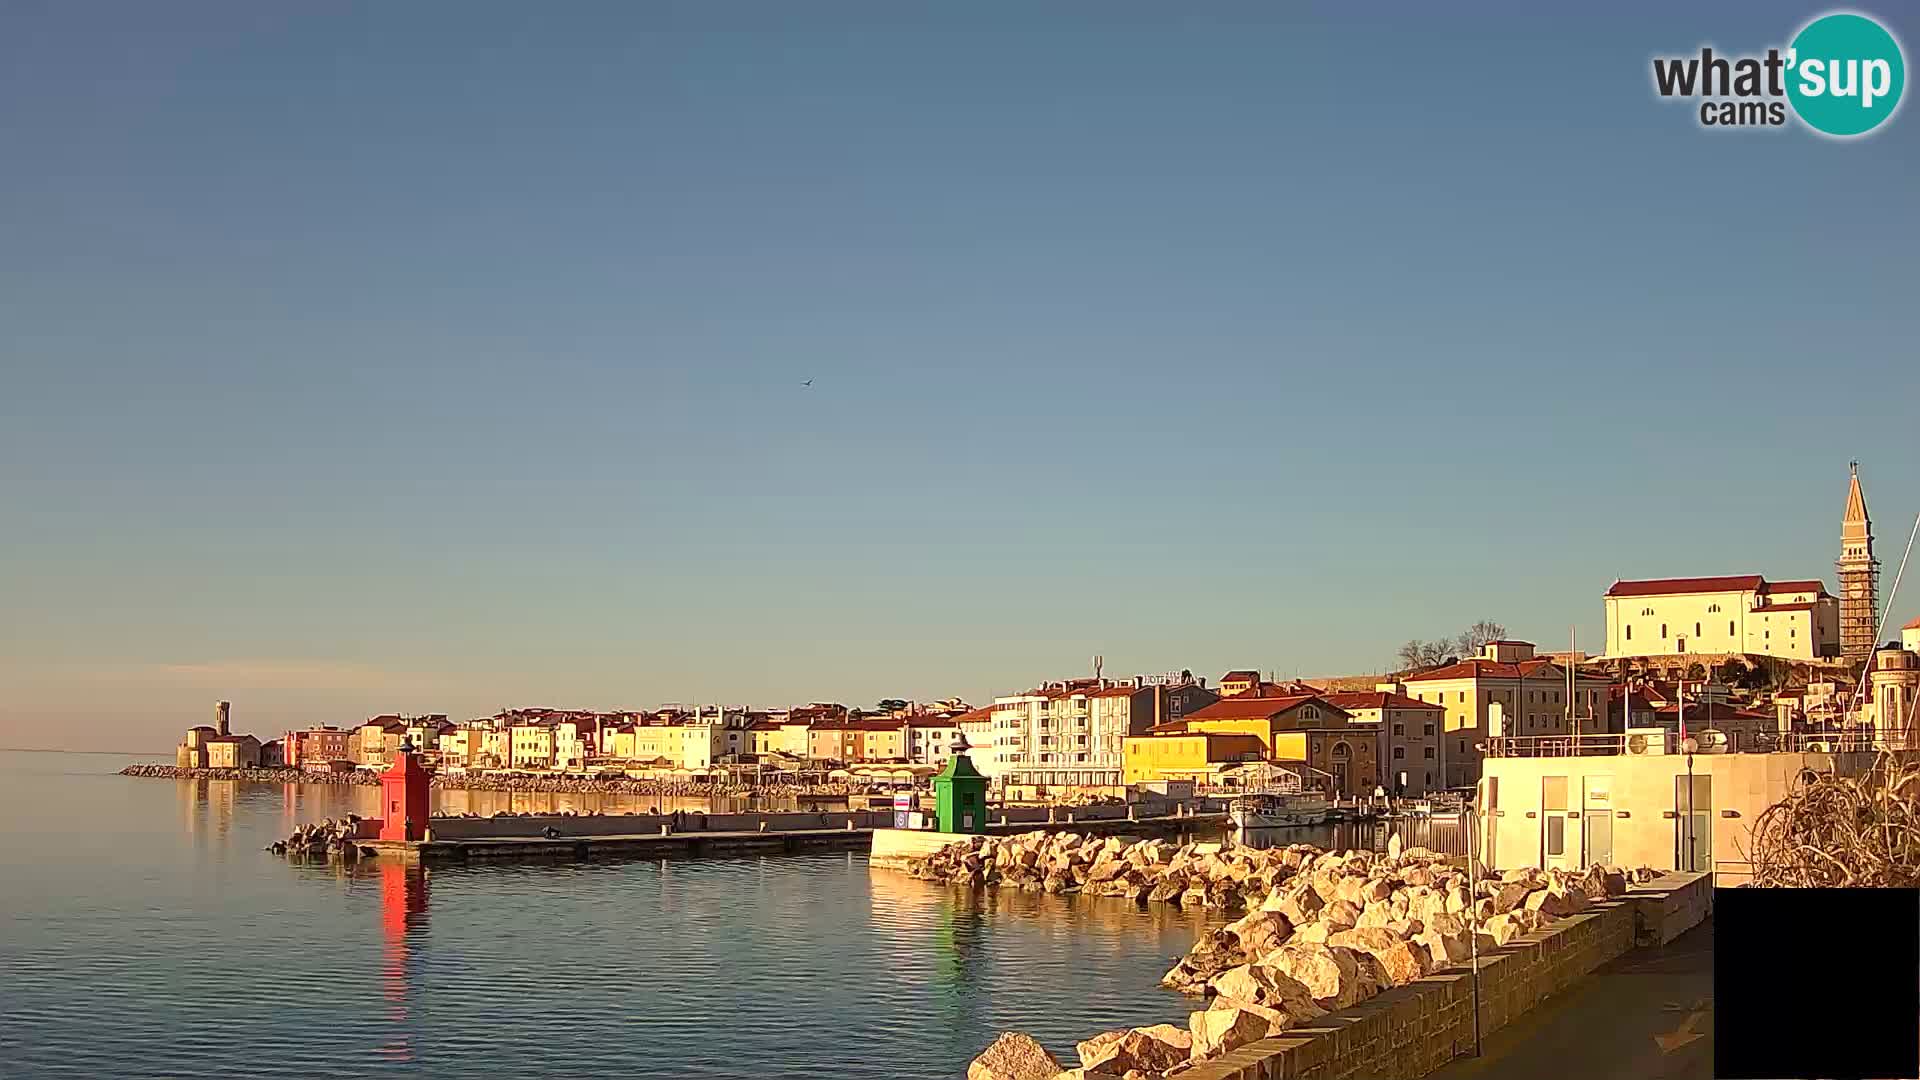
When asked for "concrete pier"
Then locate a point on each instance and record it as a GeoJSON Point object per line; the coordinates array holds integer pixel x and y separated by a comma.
{"type": "Point", "coordinates": [852, 835]}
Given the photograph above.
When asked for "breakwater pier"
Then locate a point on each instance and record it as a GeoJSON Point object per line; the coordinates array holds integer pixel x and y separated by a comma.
{"type": "Point", "coordinates": [571, 837]}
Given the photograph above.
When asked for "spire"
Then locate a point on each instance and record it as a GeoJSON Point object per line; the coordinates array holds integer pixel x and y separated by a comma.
{"type": "Point", "coordinates": [1856, 502]}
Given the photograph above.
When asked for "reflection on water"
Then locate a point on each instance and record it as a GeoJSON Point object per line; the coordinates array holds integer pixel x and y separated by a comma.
{"type": "Point", "coordinates": [403, 917]}
{"type": "Point", "coordinates": [153, 937]}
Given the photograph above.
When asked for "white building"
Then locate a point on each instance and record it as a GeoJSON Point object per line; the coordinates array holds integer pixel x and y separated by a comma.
{"type": "Point", "coordinates": [1795, 620]}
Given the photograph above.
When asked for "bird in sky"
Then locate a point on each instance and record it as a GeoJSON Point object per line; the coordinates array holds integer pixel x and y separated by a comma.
{"type": "Point", "coordinates": [809, 382]}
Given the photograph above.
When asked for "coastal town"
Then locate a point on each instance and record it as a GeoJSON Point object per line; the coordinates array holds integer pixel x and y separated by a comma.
{"type": "Point", "coordinates": [1734, 662]}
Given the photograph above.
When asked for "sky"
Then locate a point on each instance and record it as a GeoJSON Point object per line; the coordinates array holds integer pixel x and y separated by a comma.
{"type": "Point", "coordinates": [450, 356]}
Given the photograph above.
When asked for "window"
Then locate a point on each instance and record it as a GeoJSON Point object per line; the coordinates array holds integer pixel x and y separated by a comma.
{"type": "Point", "coordinates": [1429, 778]}
{"type": "Point", "coordinates": [1629, 631]}
{"type": "Point", "coordinates": [1663, 631]}
{"type": "Point", "coordinates": [1399, 729]}
{"type": "Point", "coordinates": [1308, 712]}
{"type": "Point", "coordinates": [1429, 756]}
{"type": "Point", "coordinates": [1553, 811]}
{"type": "Point", "coordinates": [1429, 729]}
{"type": "Point", "coordinates": [1399, 752]}
{"type": "Point", "coordinates": [1696, 629]}
{"type": "Point", "coordinates": [1341, 750]}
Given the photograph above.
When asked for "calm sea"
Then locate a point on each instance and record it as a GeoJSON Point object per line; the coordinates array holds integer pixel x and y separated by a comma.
{"type": "Point", "coordinates": [143, 932]}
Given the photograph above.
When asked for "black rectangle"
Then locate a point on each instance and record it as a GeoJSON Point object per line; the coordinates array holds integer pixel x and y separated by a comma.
{"type": "Point", "coordinates": [1817, 983]}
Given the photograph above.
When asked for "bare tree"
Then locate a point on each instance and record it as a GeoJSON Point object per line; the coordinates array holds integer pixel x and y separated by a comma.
{"type": "Point", "coordinates": [1473, 640]}
{"type": "Point", "coordinates": [1417, 655]}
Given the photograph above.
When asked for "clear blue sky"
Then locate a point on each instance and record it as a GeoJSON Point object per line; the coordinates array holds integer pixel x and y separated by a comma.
{"type": "Point", "coordinates": [445, 356]}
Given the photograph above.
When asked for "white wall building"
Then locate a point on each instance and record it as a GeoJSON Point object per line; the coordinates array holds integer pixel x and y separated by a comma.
{"type": "Point", "coordinates": [1795, 620]}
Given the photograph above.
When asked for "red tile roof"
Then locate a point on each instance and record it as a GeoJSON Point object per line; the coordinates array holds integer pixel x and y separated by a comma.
{"type": "Point", "coordinates": [1813, 586]}
{"type": "Point", "coordinates": [1248, 707]}
{"type": "Point", "coordinates": [1484, 669]}
{"type": "Point", "coordinates": [1240, 676]}
{"type": "Point", "coordinates": [1379, 699]}
{"type": "Point", "coordinates": [1661, 586]}
{"type": "Point", "coordinates": [1784, 607]}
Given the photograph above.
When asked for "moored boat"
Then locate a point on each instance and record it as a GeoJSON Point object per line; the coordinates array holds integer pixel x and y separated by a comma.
{"type": "Point", "coordinates": [1279, 811]}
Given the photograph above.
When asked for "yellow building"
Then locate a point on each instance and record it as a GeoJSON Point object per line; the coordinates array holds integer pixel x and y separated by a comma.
{"type": "Point", "coordinates": [1196, 756]}
{"type": "Point", "coordinates": [1746, 614]}
{"type": "Point", "coordinates": [1527, 693]}
{"type": "Point", "coordinates": [374, 742]}
{"type": "Point", "coordinates": [233, 752]}
{"type": "Point", "coordinates": [530, 746]}
{"type": "Point", "coordinates": [1301, 727]}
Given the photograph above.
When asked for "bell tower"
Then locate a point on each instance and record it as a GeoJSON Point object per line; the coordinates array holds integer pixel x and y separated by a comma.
{"type": "Point", "coordinates": [1859, 574]}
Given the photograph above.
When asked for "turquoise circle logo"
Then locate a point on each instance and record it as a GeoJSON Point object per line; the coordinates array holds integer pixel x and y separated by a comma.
{"type": "Point", "coordinates": [1846, 74]}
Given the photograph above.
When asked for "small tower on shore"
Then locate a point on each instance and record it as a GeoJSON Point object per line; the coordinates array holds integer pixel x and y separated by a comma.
{"type": "Point", "coordinates": [403, 796]}
{"type": "Point", "coordinates": [1859, 574]}
{"type": "Point", "coordinates": [222, 714]}
{"type": "Point", "coordinates": [960, 793]}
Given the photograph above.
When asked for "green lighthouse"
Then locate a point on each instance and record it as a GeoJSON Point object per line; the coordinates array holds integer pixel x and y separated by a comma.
{"type": "Point", "coordinates": [960, 793]}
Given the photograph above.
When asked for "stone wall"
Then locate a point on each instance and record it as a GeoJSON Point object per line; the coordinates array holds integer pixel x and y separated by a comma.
{"type": "Point", "coordinates": [587, 825]}
{"type": "Point", "coordinates": [1411, 1030]}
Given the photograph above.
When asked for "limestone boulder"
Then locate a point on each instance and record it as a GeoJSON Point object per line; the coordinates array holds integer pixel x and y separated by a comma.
{"type": "Point", "coordinates": [1511, 894]}
{"type": "Point", "coordinates": [1377, 889]}
{"type": "Point", "coordinates": [1503, 928]}
{"type": "Point", "coordinates": [1445, 949]}
{"type": "Point", "coordinates": [1340, 915]}
{"type": "Point", "coordinates": [1558, 902]}
{"type": "Point", "coordinates": [1014, 1056]}
{"type": "Point", "coordinates": [1300, 904]}
{"type": "Point", "coordinates": [1333, 978]}
{"type": "Point", "coordinates": [1261, 932]}
{"type": "Point", "coordinates": [1352, 890]}
{"type": "Point", "coordinates": [1401, 961]}
{"type": "Point", "coordinates": [1220, 1031]}
{"type": "Point", "coordinates": [1153, 1050]}
{"type": "Point", "coordinates": [1376, 913]}
{"type": "Point", "coordinates": [1215, 952]}
{"type": "Point", "coordinates": [1267, 986]}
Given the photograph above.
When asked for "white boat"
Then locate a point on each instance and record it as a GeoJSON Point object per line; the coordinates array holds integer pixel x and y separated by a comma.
{"type": "Point", "coordinates": [1278, 811]}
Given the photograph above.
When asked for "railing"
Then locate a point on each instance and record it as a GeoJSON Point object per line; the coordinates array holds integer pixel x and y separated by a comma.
{"type": "Point", "coordinates": [1669, 742]}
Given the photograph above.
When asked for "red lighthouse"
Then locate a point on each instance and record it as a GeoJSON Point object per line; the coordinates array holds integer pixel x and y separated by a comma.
{"type": "Point", "coordinates": [403, 797]}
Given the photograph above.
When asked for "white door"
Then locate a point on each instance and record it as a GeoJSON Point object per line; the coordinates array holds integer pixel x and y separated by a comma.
{"type": "Point", "coordinates": [1559, 836]}
{"type": "Point", "coordinates": [1596, 821]}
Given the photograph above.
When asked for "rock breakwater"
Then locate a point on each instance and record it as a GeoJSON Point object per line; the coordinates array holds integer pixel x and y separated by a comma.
{"type": "Point", "coordinates": [1321, 930]}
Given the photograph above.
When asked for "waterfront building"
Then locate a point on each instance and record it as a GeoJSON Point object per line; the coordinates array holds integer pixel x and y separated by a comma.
{"type": "Point", "coordinates": [317, 748]}
{"type": "Point", "coordinates": [1647, 803]}
{"type": "Point", "coordinates": [1187, 756]}
{"type": "Point", "coordinates": [1068, 735]}
{"type": "Point", "coordinates": [1910, 636]}
{"type": "Point", "coordinates": [425, 731]}
{"type": "Point", "coordinates": [192, 751]}
{"type": "Point", "coordinates": [1895, 680]}
{"type": "Point", "coordinates": [984, 750]}
{"type": "Point", "coordinates": [233, 752]}
{"type": "Point", "coordinates": [459, 746]}
{"type": "Point", "coordinates": [1859, 574]}
{"type": "Point", "coordinates": [1743, 614]}
{"type": "Point", "coordinates": [375, 741]}
{"type": "Point", "coordinates": [1406, 735]}
{"type": "Point", "coordinates": [1298, 728]}
{"type": "Point", "coordinates": [1528, 695]}
{"type": "Point", "coordinates": [789, 737]}
{"type": "Point", "coordinates": [575, 739]}
{"type": "Point", "coordinates": [930, 735]}
{"type": "Point", "coordinates": [530, 745]}
{"type": "Point", "coordinates": [272, 754]}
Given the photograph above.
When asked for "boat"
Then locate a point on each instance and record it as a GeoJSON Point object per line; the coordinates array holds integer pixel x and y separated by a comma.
{"type": "Point", "coordinates": [1279, 811]}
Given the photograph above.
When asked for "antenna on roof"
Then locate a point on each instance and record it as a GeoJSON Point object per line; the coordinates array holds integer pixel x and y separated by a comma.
{"type": "Point", "coordinates": [1098, 663]}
